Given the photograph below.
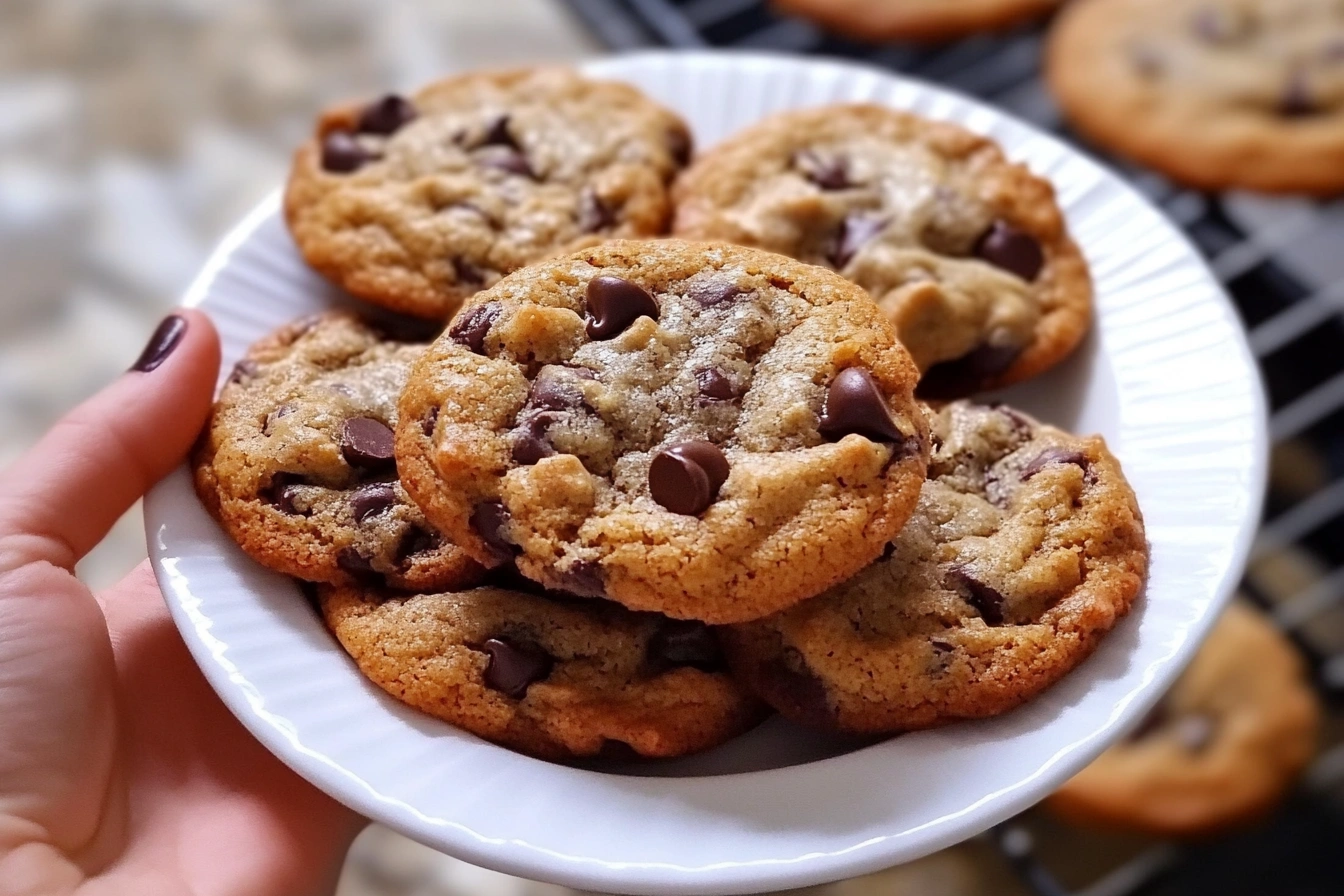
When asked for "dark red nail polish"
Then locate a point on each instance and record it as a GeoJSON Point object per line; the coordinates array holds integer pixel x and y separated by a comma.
{"type": "Point", "coordinates": [166, 337]}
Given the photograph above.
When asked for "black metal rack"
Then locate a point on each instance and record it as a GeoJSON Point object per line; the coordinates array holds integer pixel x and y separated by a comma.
{"type": "Point", "coordinates": [1282, 260]}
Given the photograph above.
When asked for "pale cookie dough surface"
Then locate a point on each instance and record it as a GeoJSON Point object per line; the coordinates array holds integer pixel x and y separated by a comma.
{"type": "Point", "coordinates": [1223, 747]}
{"type": "Point", "coordinates": [967, 253]}
{"type": "Point", "coordinates": [296, 460]}
{"type": "Point", "coordinates": [877, 20]}
{"type": "Point", "coordinates": [522, 434]}
{"type": "Point", "coordinates": [1214, 93]}
{"type": "Point", "coordinates": [480, 174]}
{"type": "Point", "coordinates": [551, 678]}
{"type": "Point", "coordinates": [1027, 546]}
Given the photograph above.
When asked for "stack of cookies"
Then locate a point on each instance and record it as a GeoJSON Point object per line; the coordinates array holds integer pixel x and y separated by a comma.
{"type": "Point", "coordinates": [665, 468]}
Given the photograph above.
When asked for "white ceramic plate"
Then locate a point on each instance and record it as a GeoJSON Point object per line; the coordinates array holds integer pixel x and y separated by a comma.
{"type": "Point", "coordinates": [1166, 376]}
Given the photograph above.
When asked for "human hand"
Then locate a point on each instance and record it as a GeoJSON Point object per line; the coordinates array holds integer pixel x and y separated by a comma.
{"type": "Point", "coordinates": [121, 772]}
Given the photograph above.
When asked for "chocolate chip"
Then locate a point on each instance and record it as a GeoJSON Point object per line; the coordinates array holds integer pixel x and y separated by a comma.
{"type": "Point", "coordinates": [1023, 426]}
{"type": "Point", "coordinates": [514, 665]}
{"type": "Point", "coordinates": [961, 376]}
{"type": "Point", "coordinates": [1297, 99]}
{"type": "Point", "coordinates": [614, 304]}
{"type": "Point", "coordinates": [594, 214]}
{"type": "Point", "coordinates": [498, 134]}
{"type": "Point", "coordinates": [714, 386]}
{"type": "Point", "coordinates": [281, 491]}
{"type": "Point", "coordinates": [490, 520]}
{"type": "Point", "coordinates": [472, 326]}
{"type": "Point", "coordinates": [829, 173]}
{"type": "Point", "coordinates": [548, 392]}
{"type": "Point", "coordinates": [686, 477]}
{"type": "Point", "coordinates": [341, 153]}
{"type": "Point", "coordinates": [530, 443]}
{"type": "Point", "coordinates": [278, 414]}
{"type": "Point", "coordinates": [1194, 732]}
{"type": "Point", "coordinates": [941, 646]}
{"type": "Point", "coordinates": [1010, 249]}
{"type": "Point", "coordinates": [1055, 456]}
{"type": "Point", "coordinates": [468, 273]}
{"type": "Point", "coordinates": [372, 499]}
{"type": "Point", "coordinates": [856, 231]}
{"type": "Point", "coordinates": [243, 370]}
{"type": "Point", "coordinates": [512, 162]}
{"type": "Point", "coordinates": [986, 599]}
{"type": "Point", "coordinates": [617, 751]}
{"type": "Point", "coordinates": [428, 421]}
{"type": "Point", "coordinates": [584, 578]}
{"type": "Point", "coordinates": [797, 693]}
{"type": "Point", "coordinates": [679, 145]}
{"type": "Point", "coordinates": [352, 561]}
{"type": "Point", "coordinates": [709, 293]}
{"type": "Point", "coordinates": [684, 642]}
{"type": "Point", "coordinates": [366, 443]}
{"type": "Point", "coordinates": [854, 404]}
{"type": "Point", "coordinates": [386, 116]}
{"type": "Point", "coordinates": [417, 540]}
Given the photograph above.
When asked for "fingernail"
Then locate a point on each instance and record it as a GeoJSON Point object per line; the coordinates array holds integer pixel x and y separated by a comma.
{"type": "Point", "coordinates": [161, 344]}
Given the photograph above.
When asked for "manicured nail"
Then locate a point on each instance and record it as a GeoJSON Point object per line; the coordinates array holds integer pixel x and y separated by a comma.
{"type": "Point", "coordinates": [161, 344]}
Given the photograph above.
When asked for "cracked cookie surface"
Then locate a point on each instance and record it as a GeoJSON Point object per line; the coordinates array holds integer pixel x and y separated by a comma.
{"type": "Point", "coordinates": [1217, 94]}
{"type": "Point", "coordinates": [706, 431]}
{"type": "Point", "coordinates": [416, 203]}
{"type": "Point", "coordinates": [556, 679]}
{"type": "Point", "coordinates": [1026, 547]}
{"type": "Point", "coordinates": [966, 252]}
{"type": "Point", "coordinates": [296, 462]}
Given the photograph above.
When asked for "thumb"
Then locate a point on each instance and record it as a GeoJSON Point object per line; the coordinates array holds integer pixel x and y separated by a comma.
{"type": "Point", "coordinates": [58, 500]}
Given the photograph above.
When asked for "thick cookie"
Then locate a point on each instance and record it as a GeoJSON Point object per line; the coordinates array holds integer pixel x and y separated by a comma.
{"type": "Point", "coordinates": [296, 461]}
{"type": "Point", "coordinates": [880, 20]}
{"type": "Point", "coordinates": [1222, 748]}
{"type": "Point", "coordinates": [1025, 549]}
{"type": "Point", "coordinates": [556, 679]}
{"type": "Point", "coordinates": [966, 252]}
{"type": "Point", "coordinates": [705, 431]}
{"type": "Point", "coordinates": [1213, 93]}
{"type": "Point", "coordinates": [417, 203]}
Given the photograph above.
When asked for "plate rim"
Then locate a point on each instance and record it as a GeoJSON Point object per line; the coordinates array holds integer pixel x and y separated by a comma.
{"type": "Point", "coordinates": [535, 861]}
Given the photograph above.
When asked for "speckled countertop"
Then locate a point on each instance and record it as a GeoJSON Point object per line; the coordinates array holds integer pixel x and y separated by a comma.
{"type": "Point", "coordinates": [133, 133]}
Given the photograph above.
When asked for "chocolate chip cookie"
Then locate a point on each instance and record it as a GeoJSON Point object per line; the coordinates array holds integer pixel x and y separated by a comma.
{"type": "Point", "coordinates": [1213, 93]}
{"type": "Point", "coordinates": [882, 20]}
{"type": "Point", "coordinates": [1221, 749]}
{"type": "Point", "coordinates": [967, 253]}
{"type": "Point", "coordinates": [296, 462]}
{"type": "Point", "coordinates": [556, 679]}
{"type": "Point", "coordinates": [706, 431]}
{"type": "Point", "coordinates": [417, 202]}
{"type": "Point", "coordinates": [1026, 547]}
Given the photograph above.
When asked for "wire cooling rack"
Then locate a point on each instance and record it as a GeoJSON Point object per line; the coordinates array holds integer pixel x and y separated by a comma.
{"type": "Point", "coordinates": [1282, 260]}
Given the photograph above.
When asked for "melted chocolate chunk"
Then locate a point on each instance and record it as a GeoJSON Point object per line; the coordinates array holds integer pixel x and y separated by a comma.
{"type": "Point", "coordinates": [594, 213]}
{"type": "Point", "coordinates": [515, 665]}
{"type": "Point", "coordinates": [685, 478]}
{"type": "Point", "coordinates": [282, 490]}
{"type": "Point", "coordinates": [467, 273]}
{"type": "Point", "coordinates": [386, 116]}
{"type": "Point", "coordinates": [584, 578]}
{"type": "Point", "coordinates": [854, 404]}
{"type": "Point", "coordinates": [372, 499]}
{"type": "Point", "coordinates": [986, 599]}
{"type": "Point", "coordinates": [342, 153]}
{"type": "Point", "coordinates": [548, 391]}
{"type": "Point", "coordinates": [417, 540]}
{"type": "Point", "coordinates": [366, 443]}
{"type": "Point", "coordinates": [530, 443]}
{"type": "Point", "coordinates": [796, 692]}
{"type": "Point", "coordinates": [714, 386]}
{"type": "Point", "coordinates": [710, 293]}
{"type": "Point", "coordinates": [856, 231]}
{"type": "Point", "coordinates": [1012, 250]}
{"type": "Point", "coordinates": [356, 564]}
{"type": "Point", "coordinates": [490, 520]}
{"type": "Point", "coordinates": [614, 304]}
{"type": "Point", "coordinates": [684, 642]}
{"type": "Point", "coordinates": [473, 325]}
{"type": "Point", "coordinates": [498, 134]}
{"type": "Point", "coordinates": [828, 173]}
{"type": "Point", "coordinates": [967, 374]}
{"type": "Point", "coordinates": [1055, 456]}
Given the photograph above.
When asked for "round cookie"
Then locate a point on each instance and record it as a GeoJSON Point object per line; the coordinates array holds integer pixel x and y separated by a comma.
{"type": "Point", "coordinates": [705, 431]}
{"type": "Point", "coordinates": [296, 461]}
{"type": "Point", "coordinates": [881, 20]}
{"type": "Point", "coordinates": [417, 203]}
{"type": "Point", "coordinates": [1222, 748]}
{"type": "Point", "coordinates": [966, 252]}
{"type": "Point", "coordinates": [1213, 93]}
{"type": "Point", "coordinates": [1027, 546]}
{"type": "Point", "coordinates": [556, 679]}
